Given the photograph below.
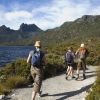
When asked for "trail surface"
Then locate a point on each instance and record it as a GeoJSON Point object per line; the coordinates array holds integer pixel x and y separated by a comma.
{"type": "Point", "coordinates": [58, 88]}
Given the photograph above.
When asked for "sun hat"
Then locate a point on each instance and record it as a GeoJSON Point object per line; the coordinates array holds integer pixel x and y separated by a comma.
{"type": "Point", "coordinates": [82, 45]}
{"type": "Point", "coordinates": [37, 44]}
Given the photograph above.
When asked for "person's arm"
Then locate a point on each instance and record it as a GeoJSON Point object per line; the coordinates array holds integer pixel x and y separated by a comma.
{"type": "Point", "coordinates": [77, 52]}
{"type": "Point", "coordinates": [87, 53]}
{"type": "Point", "coordinates": [44, 60]}
{"type": "Point", "coordinates": [73, 55]}
{"type": "Point", "coordinates": [29, 59]}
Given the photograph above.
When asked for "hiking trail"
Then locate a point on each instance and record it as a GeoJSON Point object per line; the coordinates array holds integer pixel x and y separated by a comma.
{"type": "Point", "coordinates": [58, 88]}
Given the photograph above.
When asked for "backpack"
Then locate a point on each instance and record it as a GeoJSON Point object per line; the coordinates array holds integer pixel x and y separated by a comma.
{"type": "Point", "coordinates": [37, 58]}
{"type": "Point", "coordinates": [68, 57]}
{"type": "Point", "coordinates": [82, 52]}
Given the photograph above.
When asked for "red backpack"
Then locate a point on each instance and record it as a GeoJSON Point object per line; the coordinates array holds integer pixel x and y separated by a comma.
{"type": "Point", "coordinates": [82, 52]}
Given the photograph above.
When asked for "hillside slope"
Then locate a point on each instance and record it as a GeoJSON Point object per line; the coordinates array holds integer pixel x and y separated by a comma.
{"type": "Point", "coordinates": [85, 27]}
{"type": "Point", "coordinates": [25, 31]}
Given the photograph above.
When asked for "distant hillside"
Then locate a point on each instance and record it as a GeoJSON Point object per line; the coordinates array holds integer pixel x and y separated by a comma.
{"type": "Point", "coordinates": [85, 27]}
{"type": "Point", "coordinates": [25, 31]}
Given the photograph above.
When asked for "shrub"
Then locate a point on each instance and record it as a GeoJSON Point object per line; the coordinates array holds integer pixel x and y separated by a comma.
{"type": "Point", "coordinates": [91, 61]}
{"type": "Point", "coordinates": [19, 67]}
{"type": "Point", "coordinates": [12, 82]}
{"type": "Point", "coordinates": [54, 65]}
{"type": "Point", "coordinates": [3, 89]}
{"type": "Point", "coordinates": [17, 74]}
{"type": "Point", "coordinates": [94, 92]}
{"type": "Point", "coordinates": [15, 82]}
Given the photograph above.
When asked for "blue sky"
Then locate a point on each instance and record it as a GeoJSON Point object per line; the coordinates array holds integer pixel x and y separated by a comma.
{"type": "Point", "coordinates": [46, 14]}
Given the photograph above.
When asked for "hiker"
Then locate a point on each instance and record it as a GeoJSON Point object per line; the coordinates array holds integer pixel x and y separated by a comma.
{"type": "Point", "coordinates": [69, 57]}
{"type": "Point", "coordinates": [82, 53]}
{"type": "Point", "coordinates": [37, 68]}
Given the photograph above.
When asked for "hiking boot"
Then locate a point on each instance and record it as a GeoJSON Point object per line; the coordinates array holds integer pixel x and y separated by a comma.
{"type": "Point", "coordinates": [84, 77]}
{"type": "Point", "coordinates": [66, 73]}
{"type": "Point", "coordinates": [39, 94]}
{"type": "Point", "coordinates": [73, 77]}
{"type": "Point", "coordinates": [66, 77]}
{"type": "Point", "coordinates": [77, 77]}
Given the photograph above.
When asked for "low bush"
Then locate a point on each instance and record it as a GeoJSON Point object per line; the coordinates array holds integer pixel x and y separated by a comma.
{"type": "Point", "coordinates": [16, 82]}
{"type": "Point", "coordinates": [94, 92]}
{"type": "Point", "coordinates": [3, 89]}
{"type": "Point", "coordinates": [55, 64]}
{"type": "Point", "coordinates": [17, 74]}
{"type": "Point", "coordinates": [12, 82]}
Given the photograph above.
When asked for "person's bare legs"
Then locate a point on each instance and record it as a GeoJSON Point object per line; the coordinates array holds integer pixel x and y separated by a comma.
{"type": "Point", "coordinates": [67, 70]}
{"type": "Point", "coordinates": [72, 71]}
{"type": "Point", "coordinates": [34, 95]}
{"type": "Point", "coordinates": [78, 68]}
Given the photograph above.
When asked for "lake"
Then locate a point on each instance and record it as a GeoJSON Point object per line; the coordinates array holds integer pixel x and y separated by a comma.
{"type": "Point", "coordinates": [12, 53]}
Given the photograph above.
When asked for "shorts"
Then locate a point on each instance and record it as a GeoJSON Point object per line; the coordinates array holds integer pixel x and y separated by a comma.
{"type": "Point", "coordinates": [81, 64]}
{"type": "Point", "coordinates": [71, 65]}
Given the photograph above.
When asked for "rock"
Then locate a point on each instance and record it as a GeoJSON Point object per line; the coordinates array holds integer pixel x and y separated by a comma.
{"type": "Point", "coordinates": [2, 97]}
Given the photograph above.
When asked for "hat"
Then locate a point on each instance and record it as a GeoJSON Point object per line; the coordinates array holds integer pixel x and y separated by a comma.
{"type": "Point", "coordinates": [82, 45]}
{"type": "Point", "coordinates": [38, 44]}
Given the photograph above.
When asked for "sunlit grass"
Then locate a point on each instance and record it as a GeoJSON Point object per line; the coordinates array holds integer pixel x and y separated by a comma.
{"type": "Point", "coordinates": [12, 82]}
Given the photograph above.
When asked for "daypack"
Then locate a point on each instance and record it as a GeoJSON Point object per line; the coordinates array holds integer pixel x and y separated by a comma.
{"type": "Point", "coordinates": [36, 58]}
{"type": "Point", "coordinates": [68, 57]}
{"type": "Point", "coordinates": [82, 52]}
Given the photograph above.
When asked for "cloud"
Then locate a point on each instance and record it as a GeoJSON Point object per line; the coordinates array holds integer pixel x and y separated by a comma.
{"type": "Point", "coordinates": [47, 15]}
{"type": "Point", "coordinates": [17, 15]}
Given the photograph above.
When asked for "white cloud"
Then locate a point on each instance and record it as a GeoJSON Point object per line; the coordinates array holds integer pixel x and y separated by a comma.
{"type": "Point", "coordinates": [46, 16]}
{"type": "Point", "coordinates": [17, 15]}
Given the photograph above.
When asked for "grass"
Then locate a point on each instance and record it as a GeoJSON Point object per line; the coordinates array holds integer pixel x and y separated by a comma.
{"type": "Point", "coordinates": [12, 82]}
{"type": "Point", "coordinates": [94, 92]}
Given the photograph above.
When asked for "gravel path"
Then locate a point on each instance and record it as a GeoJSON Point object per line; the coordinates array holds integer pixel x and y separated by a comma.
{"type": "Point", "coordinates": [58, 88]}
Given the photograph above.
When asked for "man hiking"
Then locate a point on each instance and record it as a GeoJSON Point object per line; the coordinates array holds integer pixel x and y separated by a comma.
{"type": "Point", "coordinates": [82, 53]}
{"type": "Point", "coordinates": [37, 60]}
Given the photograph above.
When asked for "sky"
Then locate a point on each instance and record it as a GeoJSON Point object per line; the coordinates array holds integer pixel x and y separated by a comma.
{"type": "Point", "coordinates": [46, 14]}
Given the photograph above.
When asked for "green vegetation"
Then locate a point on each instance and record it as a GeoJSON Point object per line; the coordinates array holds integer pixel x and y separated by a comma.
{"type": "Point", "coordinates": [12, 82]}
{"type": "Point", "coordinates": [14, 75]}
{"type": "Point", "coordinates": [55, 43]}
{"type": "Point", "coordinates": [85, 27]}
{"type": "Point", "coordinates": [94, 92]}
{"type": "Point", "coordinates": [17, 74]}
{"type": "Point", "coordinates": [55, 62]}
{"type": "Point", "coordinates": [92, 44]}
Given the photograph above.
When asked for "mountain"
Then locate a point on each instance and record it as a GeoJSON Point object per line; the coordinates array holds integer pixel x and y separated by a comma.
{"type": "Point", "coordinates": [29, 28]}
{"type": "Point", "coordinates": [85, 27]}
{"type": "Point", "coordinates": [25, 31]}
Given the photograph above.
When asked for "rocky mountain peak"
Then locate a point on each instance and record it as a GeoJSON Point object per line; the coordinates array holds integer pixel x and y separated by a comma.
{"type": "Point", "coordinates": [29, 28]}
{"type": "Point", "coordinates": [4, 28]}
{"type": "Point", "coordinates": [89, 18]}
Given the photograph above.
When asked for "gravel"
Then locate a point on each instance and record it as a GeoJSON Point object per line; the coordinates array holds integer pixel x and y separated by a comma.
{"type": "Point", "coordinates": [58, 88]}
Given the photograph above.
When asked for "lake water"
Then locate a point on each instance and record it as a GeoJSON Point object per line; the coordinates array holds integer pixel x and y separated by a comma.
{"type": "Point", "coordinates": [12, 53]}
